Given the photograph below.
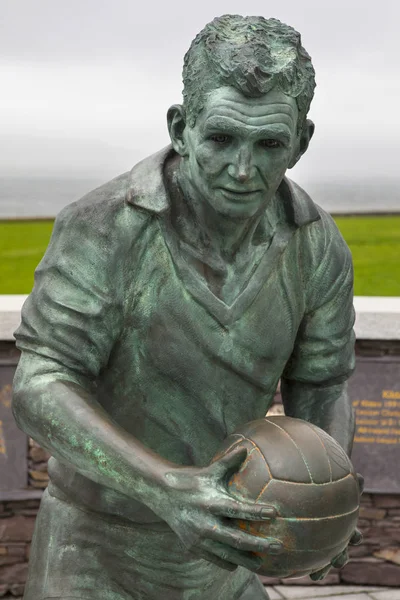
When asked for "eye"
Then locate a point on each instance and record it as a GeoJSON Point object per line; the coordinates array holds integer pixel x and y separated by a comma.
{"type": "Point", "coordinates": [220, 138]}
{"type": "Point", "coordinates": [271, 143]}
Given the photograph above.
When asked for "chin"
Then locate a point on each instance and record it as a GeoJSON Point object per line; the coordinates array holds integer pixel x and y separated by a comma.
{"type": "Point", "coordinates": [235, 207]}
{"type": "Point", "coordinates": [236, 211]}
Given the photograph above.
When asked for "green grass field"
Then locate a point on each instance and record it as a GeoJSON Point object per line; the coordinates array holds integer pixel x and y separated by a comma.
{"type": "Point", "coordinates": [374, 242]}
{"type": "Point", "coordinates": [375, 246]}
{"type": "Point", "coordinates": [22, 244]}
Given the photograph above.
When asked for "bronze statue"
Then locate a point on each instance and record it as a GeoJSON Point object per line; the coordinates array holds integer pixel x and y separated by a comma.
{"type": "Point", "coordinates": [168, 305]}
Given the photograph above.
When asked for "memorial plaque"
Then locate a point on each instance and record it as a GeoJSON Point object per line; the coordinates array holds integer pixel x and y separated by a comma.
{"type": "Point", "coordinates": [374, 390]}
{"type": "Point", "coordinates": [13, 441]}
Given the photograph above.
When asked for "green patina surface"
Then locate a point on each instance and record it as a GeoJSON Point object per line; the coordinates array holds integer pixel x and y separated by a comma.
{"type": "Point", "coordinates": [373, 241]}
{"type": "Point", "coordinates": [125, 387]}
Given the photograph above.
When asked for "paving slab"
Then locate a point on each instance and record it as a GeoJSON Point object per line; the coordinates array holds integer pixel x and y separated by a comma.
{"type": "Point", "coordinates": [273, 593]}
{"type": "Point", "coordinates": [328, 591]}
{"type": "Point", "coordinates": [386, 595]}
{"type": "Point", "coordinates": [345, 597]}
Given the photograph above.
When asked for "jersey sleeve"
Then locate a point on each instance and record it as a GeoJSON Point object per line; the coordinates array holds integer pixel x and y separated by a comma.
{"type": "Point", "coordinates": [71, 318]}
{"type": "Point", "coordinates": [324, 349]}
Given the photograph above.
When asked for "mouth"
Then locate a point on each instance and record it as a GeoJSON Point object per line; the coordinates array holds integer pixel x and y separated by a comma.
{"type": "Point", "coordinates": [242, 193]}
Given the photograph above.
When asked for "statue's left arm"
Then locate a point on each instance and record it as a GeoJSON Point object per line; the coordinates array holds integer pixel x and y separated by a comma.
{"type": "Point", "coordinates": [326, 405]}
{"type": "Point", "coordinates": [314, 383]}
{"type": "Point", "coordinates": [314, 380]}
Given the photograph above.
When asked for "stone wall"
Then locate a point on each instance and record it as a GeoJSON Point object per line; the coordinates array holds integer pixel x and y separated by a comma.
{"type": "Point", "coordinates": [17, 520]}
{"type": "Point", "coordinates": [375, 562]}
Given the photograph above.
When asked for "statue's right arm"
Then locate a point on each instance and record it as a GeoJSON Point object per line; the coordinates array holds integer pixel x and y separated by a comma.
{"type": "Point", "coordinates": [69, 325]}
{"type": "Point", "coordinates": [64, 417]}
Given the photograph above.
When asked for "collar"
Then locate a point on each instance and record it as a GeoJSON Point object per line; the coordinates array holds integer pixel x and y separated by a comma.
{"type": "Point", "coordinates": [146, 185]}
{"type": "Point", "coordinates": [146, 190]}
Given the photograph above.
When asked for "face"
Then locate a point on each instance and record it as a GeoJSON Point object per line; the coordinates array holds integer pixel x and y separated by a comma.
{"type": "Point", "coordinates": [237, 153]}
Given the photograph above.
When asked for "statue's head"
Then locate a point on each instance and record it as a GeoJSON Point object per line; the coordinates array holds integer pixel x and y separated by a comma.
{"type": "Point", "coordinates": [248, 85]}
{"type": "Point", "coordinates": [251, 54]}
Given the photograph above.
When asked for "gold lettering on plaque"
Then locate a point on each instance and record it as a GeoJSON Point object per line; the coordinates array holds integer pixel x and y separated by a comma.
{"type": "Point", "coordinates": [3, 448]}
{"type": "Point", "coordinates": [378, 422]}
{"type": "Point", "coordinates": [5, 396]}
{"type": "Point", "coordinates": [393, 394]}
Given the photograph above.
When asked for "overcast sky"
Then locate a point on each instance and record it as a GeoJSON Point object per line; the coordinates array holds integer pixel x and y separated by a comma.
{"type": "Point", "coordinates": [85, 84]}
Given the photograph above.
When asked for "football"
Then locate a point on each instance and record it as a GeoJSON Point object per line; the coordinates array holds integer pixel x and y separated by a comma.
{"type": "Point", "coordinates": [306, 475]}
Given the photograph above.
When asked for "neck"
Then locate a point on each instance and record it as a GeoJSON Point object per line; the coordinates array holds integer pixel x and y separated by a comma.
{"type": "Point", "coordinates": [219, 234]}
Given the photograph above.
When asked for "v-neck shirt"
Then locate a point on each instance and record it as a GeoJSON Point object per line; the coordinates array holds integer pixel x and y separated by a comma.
{"type": "Point", "coordinates": [117, 309]}
{"type": "Point", "coordinates": [225, 279]}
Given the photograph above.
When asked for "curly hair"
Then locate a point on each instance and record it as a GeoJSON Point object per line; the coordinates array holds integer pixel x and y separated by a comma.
{"type": "Point", "coordinates": [252, 54]}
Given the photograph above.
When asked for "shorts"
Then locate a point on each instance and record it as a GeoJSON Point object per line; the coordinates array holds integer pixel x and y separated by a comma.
{"type": "Point", "coordinates": [78, 554]}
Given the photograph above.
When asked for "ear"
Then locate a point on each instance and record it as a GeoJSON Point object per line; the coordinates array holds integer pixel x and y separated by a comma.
{"type": "Point", "coordinates": [176, 126]}
{"type": "Point", "coordinates": [302, 142]}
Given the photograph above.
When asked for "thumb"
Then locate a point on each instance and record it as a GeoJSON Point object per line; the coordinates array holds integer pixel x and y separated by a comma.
{"type": "Point", "coordinates": [230, 462]}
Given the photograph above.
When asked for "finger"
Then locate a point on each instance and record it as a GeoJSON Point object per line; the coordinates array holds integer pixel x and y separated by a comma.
{"type": "Point", "coordinates": [217, 456]}
{"type": "Point", "coordinates": [360, 480]}
{"type": "Point", "coordinates": [321, 574]}
{"type": "Point", "coordinates": [241, 510]}
{"type": "Point", "coordinates": [356, 538]}
{"type": "Point", "coordinates": [340, 560]}
{"type": "Point", "coordinates": [230, 462]}
{"type": "Point", "coordinates": [232, 555]}
{"type": "Point", "coordinates": [241, 540]}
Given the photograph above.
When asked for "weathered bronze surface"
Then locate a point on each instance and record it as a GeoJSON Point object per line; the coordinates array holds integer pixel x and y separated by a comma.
{"type": "Point", "coordinates": [169, 303]}
{"type": "Point", "coordinates": [309, 479]}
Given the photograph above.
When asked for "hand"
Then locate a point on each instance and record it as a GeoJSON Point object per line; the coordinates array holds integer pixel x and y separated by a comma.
{"type": "Point", "coordinates": [342, 559]}
{"type": "Point", "coordinates": [199, 509]}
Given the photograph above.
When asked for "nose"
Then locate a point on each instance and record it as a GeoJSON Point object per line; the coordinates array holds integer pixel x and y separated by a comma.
{"type": "Point", "coordinates": [241, 169]}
